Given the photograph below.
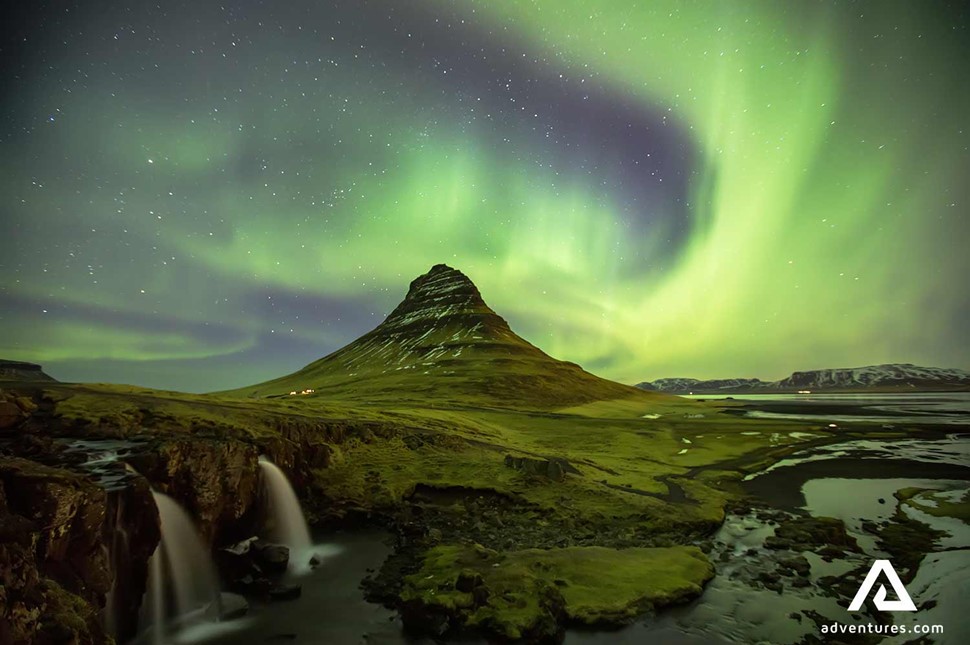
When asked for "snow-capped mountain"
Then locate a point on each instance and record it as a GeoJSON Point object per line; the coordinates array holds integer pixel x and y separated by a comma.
{"type": "Point", "coordinates": [891, 376]}
{"type": "Point", "coordinates": [681, 385]}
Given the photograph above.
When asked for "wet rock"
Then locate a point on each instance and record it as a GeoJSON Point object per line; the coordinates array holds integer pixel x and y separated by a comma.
{"type": "Point", "coordinates": [421, 619]}
{"type": "Point", "coordinates": [270, 557]}
{"type": "Point", "coordinates": [480, 595]}
{"type": "Point", "coordinates": [468, 580]}
{"type": "Point", "coordinates": [815, 534]}
{"type": "Point", "coordinates": [770, 581]}
{"type": "Point", "coordinates": [236, 565]}
{"type": "Point", "coordinates": [253, 568]}
{"type": "Point", "coordinates": [797, 564]}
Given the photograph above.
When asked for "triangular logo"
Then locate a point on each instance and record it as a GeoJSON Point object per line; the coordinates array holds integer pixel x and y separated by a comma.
{"type": "Point", "coordinates": [905, 603]}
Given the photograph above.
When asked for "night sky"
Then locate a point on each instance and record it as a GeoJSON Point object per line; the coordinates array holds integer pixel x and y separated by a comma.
{"type": "Point", "coordinates": [202, 195]}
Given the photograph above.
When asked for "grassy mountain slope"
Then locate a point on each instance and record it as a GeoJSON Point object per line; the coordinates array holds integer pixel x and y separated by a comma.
{"type": "Point", "coordinates": [443, 343]}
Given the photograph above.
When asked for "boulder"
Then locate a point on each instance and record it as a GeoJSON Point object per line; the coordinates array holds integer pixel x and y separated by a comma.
{"type": "Point", "coordinates": [10, 414]}
{"type": "Point", "coordinates": [270, 557]}
{"type": "Point", "coordinates": [468, 580]}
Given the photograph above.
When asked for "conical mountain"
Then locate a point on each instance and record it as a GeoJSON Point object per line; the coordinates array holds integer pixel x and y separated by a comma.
{"type": "Point", "coordinates": [443, 344]}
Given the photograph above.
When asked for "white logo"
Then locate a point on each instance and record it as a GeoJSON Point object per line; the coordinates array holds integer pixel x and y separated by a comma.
{"type": "Point", "coordinates": [905, 603]}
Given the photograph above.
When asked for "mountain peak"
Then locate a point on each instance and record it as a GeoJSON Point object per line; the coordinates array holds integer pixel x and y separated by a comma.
{"type": "Point", "coordinates": [442, 296]}
{"type": "Point", "coordinates": [443, 343]}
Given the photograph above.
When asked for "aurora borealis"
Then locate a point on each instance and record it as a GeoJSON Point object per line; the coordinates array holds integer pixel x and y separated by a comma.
{"type": "Point", "coordinates": [203, 196]}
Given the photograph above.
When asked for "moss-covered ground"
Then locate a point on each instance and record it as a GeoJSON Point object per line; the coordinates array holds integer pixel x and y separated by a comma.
{"type": "Point", "coordinates": [530, 592]}
{"type": "Point", "coordinates": [646, 477]}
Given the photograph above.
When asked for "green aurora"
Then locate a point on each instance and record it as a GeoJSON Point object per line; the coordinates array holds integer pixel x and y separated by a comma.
{"type": "Point", "coordinates": [207, 198]}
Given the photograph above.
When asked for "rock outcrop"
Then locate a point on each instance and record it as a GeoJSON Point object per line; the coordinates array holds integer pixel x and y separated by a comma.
{"type": "Point", "coordinates": [78, 523]}
{"type": "Point", "coordinates": [56, 554]}
{"type": "Point", "coordinates": [14, 410]}
{"type": "Point", "coordinates": [215, 480]}
{"type": "Point", "coordinates": [20, 371]}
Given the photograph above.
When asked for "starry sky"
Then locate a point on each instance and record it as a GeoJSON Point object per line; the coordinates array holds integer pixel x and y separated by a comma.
{"type": "Point", "coordinates": [201, 195]}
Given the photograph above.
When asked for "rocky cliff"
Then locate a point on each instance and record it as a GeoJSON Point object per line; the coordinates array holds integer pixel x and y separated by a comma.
{"type": "Point", "coordinates": [20, 371]}
{"type": "Point", "coordinates": [77, 520]}
{"type": "Point", "coordinates": [58, 554]}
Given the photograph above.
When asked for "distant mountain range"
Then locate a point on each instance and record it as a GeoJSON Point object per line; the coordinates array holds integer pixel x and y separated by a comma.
{"type": "Point", "coordinates": [891, 377]}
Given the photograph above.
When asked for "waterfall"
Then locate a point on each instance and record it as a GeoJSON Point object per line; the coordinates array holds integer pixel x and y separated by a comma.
{"type": "Point", "coordinates": [181, 571]}
{"type": "Point", "coordinates": [156, 588]}
{"type": "Point", "coordinates": [287, 525]}
{"type": "Point", "coordinates": [118, 555]}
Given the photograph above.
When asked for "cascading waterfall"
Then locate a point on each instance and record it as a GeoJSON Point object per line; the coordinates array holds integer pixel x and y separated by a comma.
{"type": "Point", "coordinates": [156, 581]}
{"type": "Point", "coordinates": [118, 556]}
{"type": "Point", "coordinates": [286, 522]}
{"type": "Point", "coordinates": [181, 571]}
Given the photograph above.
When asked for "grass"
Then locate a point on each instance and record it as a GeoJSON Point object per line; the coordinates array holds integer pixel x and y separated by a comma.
{"type": "Point", "coordinates": [653, 483]}
{"type": "Point", "coordinates": [525, 589]}
{"type": "Point", "coordinates": [434, 399]}
{"type": "Point", "coordinates": [626, 464]}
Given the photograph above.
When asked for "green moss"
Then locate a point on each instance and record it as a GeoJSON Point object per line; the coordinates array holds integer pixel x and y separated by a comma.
{"type": "Point", "coordinates": [934, 502]}
{"type": "Point", "coordinates": [68, 613]}
{"type": "Point", "coordinates": [584, 585]}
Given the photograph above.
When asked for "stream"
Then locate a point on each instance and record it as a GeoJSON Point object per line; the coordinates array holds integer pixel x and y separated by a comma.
{"type": "Point", "coordinates": [331, 608]}
{"type": "Point", "coordinates": [855, 481]}
{"type": "Point", "coordinates": [733, 608]}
